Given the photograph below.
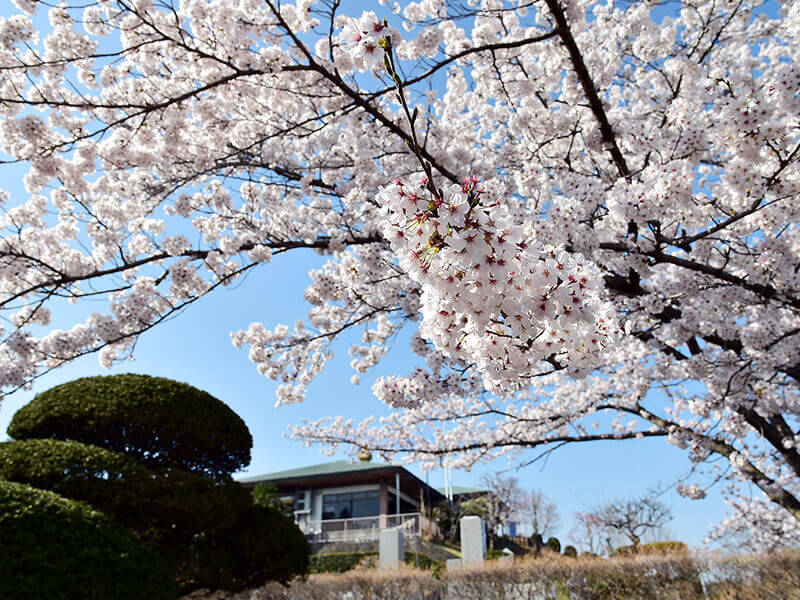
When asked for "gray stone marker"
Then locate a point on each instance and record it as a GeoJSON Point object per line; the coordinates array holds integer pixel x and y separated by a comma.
{"type": "Point", "coordinates": [473, 540]}
{"type": "Point", "coordinates": [453, 563]}
{"type": "Point", "coordinates": [508, 556]}
{"type": "Point", "coordinates": [392, 551]}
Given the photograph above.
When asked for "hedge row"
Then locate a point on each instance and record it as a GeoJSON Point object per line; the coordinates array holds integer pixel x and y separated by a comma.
{"type": "Point", "coordinates": [341, 562]}
{"type": "Point", "coordinates": [623, 578]}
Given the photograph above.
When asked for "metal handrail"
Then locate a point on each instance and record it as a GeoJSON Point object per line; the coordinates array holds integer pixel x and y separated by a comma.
{"type": "Point", "coordinates": [361, 528]}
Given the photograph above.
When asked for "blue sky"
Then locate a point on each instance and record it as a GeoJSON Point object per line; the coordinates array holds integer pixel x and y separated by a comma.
{"type": "Point", "coordinates": [195, 348]}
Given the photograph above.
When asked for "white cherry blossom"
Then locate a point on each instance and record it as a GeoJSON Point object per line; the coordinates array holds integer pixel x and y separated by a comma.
{"type": "Point", "coordinates": [606, 232]}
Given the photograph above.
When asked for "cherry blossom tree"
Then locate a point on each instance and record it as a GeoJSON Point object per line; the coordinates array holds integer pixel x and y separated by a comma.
{"type": "Point", "coordinates": [584, 211]}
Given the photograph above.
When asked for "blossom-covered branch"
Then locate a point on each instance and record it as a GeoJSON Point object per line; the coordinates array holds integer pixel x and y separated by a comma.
{"type": "Point", "coordinates": [585, 212]}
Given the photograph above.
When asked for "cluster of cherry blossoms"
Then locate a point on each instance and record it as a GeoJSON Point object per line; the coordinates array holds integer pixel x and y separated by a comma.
{"type": "Point", "coordinates": [365, 41]}
{"type": "Point", "coordinates": [491, 297]}
{"type": "Point", "coordinates": [631, 159]}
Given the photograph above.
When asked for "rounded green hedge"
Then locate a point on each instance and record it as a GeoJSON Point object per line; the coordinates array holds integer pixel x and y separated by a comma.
{"type": "Point", "coordinates": [264, 545]}
{"type": "Point", "coordinates": [72, 469]}
{"type": "Point", "coordinates": [554, 545]}
{"type": "Point", "coordinates": [57, 548]}
{"type": "Point", "coordinates": [160, 422]}
{"type": "Point", "coordinates": [208, 531]}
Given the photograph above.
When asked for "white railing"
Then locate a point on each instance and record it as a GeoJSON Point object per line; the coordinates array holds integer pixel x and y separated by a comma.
{"type": "Point", "coordinates": [361, 528]}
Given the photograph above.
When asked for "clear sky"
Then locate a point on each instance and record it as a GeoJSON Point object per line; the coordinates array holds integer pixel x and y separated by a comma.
{"type": "Point", "coordinates": [195, 348]}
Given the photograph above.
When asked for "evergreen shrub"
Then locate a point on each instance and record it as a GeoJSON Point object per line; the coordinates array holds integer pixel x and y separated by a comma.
{"type": "Point", "coordinates": [159, 422]}
{"type": "Point", "coordinates": [56, 548]}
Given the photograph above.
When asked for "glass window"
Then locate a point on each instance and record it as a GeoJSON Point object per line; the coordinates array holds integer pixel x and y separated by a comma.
{"type": "Point", "coordinates": [352, 505]}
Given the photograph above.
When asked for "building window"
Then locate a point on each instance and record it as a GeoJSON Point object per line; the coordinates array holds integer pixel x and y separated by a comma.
{"type": "Point", "coordinates": [351, 506]}
{"type": "Point", "coordinates": [300, 501]}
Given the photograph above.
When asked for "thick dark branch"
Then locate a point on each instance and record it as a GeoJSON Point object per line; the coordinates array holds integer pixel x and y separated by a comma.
{"type": "Point", "coordinates": [772, 433]}
{"type": "Point", "coordinates": [767, 485]}
{"type": "Point", "coordinates": [476, 50]}
{"type": "Point", "coordinates": [767, 292]}
{"type": "Point", "coordinates": [482, 445]}
{"type": "Point", "coordinates": [589, 89]}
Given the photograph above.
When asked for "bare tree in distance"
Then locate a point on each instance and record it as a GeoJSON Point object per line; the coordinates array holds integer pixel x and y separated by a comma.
{"type": "Point", "coordinates": [540, 513]}
{"type": "Point", "coordinates": [589, 535]}
{"type": "Point", "coordinates": [629, 519]}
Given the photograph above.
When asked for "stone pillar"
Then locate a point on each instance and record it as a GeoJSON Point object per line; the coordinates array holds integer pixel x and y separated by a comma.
{"type": "Point", "coordinates": [392, 551]}
{"type": "Point", "coordinates": [473, 540]}
{"type": "Point", "coordinates": [384, 504]}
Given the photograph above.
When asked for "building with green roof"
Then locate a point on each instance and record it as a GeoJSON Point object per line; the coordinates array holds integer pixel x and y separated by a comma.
{"type": "Point", "coordinates": [352, 501]}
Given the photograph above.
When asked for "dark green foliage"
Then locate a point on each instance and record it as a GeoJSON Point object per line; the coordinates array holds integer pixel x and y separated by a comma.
{"type": "Point", "coordinates": [274, 542]}
{"type": "Point", "coordinates": [554, 545]}
{"type": "Point", "coordinates": [337, 562]}
{"type": "Point", "coordinates": [159, 422]}
{"type": "Point", "coordinates": [340, 562]}
{"type": "Point", "coordinates": [56, 548]}
{"type": "Point", "coordinates": [168, 508]}
{"type": "Point", "coordinates": [261, 545]}
{"type": "Point", "coordinates": [266, 495]}
{"type": "Point", "coordinates": [217, 537]}
{"type": "Point", "coordinates": [111, 482]}
{"type": "Point", "coordinates": [206, 528]}
{"type": "Point", "coordinates": [210, 532]}
{"type": "Point", "coordinates": [425, 562]}
{"type": "Point", "coordinates": [570, 551]}
{"type": "Point", "coordinates": [494, 553]}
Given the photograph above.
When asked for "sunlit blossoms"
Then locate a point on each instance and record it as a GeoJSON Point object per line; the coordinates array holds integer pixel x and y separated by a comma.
{"type": "Point", "coordinates": [605, 245]}
{"type": "Point", "coordinates": [491, 296]}
{"type": "Point", "coordinates": [365, 39]}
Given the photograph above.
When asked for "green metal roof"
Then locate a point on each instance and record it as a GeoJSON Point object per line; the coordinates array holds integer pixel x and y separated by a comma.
{"type": "Point", "coordinates": [331, 468]}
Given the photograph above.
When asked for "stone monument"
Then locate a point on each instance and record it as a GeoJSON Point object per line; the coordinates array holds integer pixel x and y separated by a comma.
{"type": "Point", "coordinates": [392, 551]}
{"type": "Point", "coordinates": [473, 540]}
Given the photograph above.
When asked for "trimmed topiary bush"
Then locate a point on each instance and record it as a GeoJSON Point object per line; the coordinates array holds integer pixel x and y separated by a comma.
{"type": "Point", "coordinates": [207, 529]}
{"type": "Point", "coordinates": [263, 545]}
{"type": "Point", "coordinates": [159, 422]}
{"type": "Point", "coordinates": [571, 551]}
{"type": "Point", "coordinates": [111, 482]}
{"type": "Point", "coordinates": [554, 545]}
{"type": "Point", "coordinates": [57, 548]}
